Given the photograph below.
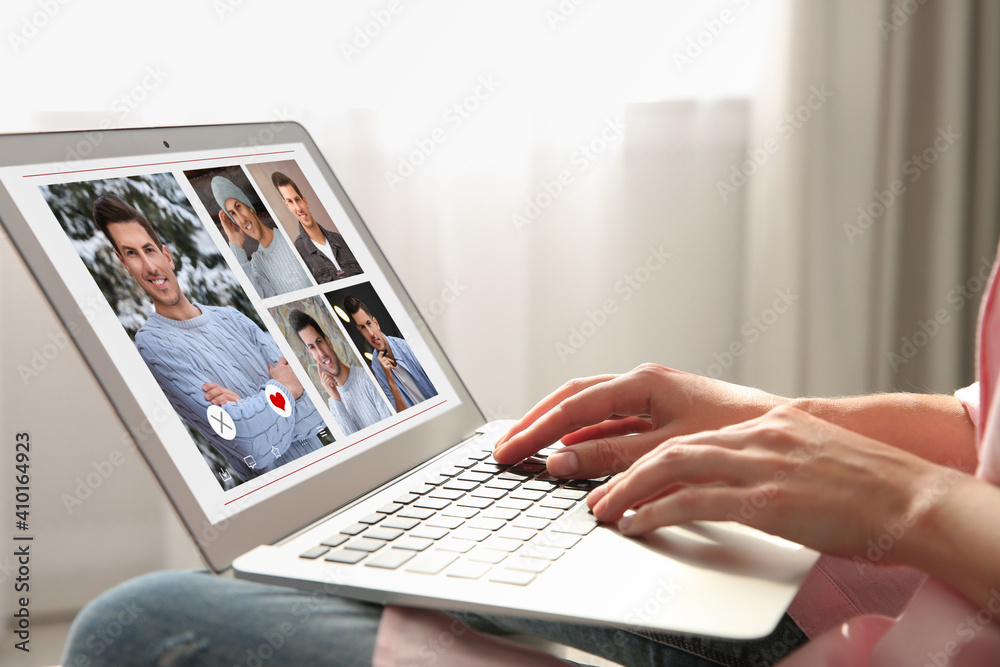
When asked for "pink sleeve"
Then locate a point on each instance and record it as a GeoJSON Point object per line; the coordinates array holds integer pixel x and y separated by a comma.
{"type": "Point", "coordinates": [408, 637]}
{"type": "Point", "coordinates": [969, 397]}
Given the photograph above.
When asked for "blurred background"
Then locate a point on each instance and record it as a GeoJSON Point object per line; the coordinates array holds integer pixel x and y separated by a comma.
{"type": "Point", "coordinates": [801, 196]}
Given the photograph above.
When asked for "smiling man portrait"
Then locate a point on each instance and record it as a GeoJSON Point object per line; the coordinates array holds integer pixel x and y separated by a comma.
{"type": "Point", "coordinates": [325, 252]}
{"type": "Point", "coordinates": [204, 356]}
{"type": "Point", "coordinates": [272, 268]}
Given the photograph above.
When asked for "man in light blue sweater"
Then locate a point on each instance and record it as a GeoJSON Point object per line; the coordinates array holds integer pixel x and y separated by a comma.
{"type": "Point", "coordinates": [273, 269]}
{"type": "Point", "coordinates": [205, 356]}
{"type": "Point", "coordinates": [354, 400]}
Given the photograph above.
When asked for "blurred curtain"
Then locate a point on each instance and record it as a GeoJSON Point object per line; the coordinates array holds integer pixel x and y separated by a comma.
{"type": "Point", "coordinates": [882, 190]}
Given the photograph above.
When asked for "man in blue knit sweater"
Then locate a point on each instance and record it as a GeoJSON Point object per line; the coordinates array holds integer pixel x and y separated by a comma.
{"type": "Point", "coordinates": [205, 356]}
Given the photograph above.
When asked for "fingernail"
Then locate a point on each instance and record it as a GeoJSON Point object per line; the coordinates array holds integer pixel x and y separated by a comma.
{"type": "Point", "coordinates": [625, 522]}
{"type": "Point", "coordinates": [596, 495]}
{"type": "Point", "coordinates": [598, 509]}
{"type": "Point", "coordinates": [563, 464]}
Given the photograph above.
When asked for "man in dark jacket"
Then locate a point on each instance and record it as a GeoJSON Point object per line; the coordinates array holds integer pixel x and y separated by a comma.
{"type": "Point", "coordinates": [324, 252]}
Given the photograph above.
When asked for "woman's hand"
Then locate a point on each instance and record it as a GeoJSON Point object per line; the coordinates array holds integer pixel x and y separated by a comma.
{"type": "Point", "coordinates": [609, 421]}
{"type": "Point", "coordinates": [787, 473]}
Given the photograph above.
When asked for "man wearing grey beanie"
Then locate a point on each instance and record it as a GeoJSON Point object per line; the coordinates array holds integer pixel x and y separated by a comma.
{"type": "Point", "coordinates": [273, 269]}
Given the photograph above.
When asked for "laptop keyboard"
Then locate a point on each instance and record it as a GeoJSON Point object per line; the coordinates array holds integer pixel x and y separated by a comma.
{"type": "Point", "coordinates": [472, 519]}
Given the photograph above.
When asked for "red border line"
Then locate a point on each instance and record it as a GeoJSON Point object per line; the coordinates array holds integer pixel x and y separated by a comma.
{"type": "Point", "coordinates": [263, 486]}
{"type": "Point", "coordinates": [156, 164]}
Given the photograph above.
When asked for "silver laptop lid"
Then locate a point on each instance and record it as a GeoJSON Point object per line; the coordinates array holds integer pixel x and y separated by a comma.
{"type": "Point", "coordinates": [245, 325]}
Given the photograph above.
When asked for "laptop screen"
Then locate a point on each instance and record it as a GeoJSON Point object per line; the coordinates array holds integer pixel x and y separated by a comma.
{"type": "Point", "coordinates": [243, 308]}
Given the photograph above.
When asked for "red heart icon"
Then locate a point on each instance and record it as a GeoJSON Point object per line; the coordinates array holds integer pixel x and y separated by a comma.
{"type": "Point", "coordinates": [278, 400]}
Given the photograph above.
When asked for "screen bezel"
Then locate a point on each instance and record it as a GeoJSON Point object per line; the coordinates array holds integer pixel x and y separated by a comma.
{"type": "Point", "coordinates": [220, 539]}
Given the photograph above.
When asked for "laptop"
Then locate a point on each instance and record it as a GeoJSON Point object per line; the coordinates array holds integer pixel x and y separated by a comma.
{"type": "Point", "coordinates": [306, 425]}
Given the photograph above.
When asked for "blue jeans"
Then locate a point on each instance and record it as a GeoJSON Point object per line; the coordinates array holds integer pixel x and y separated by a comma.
{"type": "Point", "coordinates": [183, 619]}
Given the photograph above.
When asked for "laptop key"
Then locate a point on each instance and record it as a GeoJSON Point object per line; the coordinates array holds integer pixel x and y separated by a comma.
{"type": "Point", "coordinates": [364, 544]}
{"type": "Point", "coordinates": [429, 532]}
{"type": "Point", "coordinates": [502, 544]}
{"type": "Point", "coordinates": [449, 522]}
{"type": "Point", "coordinates": [505, 484]}
{"type": "Point", "coordinates": [391, 508]}
{"type": "Point", "coordinates": [457, 546]}
{"type": "Point", "coordinates": [514, 503]}
{"type": "Point", "coordinates": [314, 553]}
{"type": "Point", "coordinates": [354, 529]}
{"type": "Point", "coordinates": [416, 513]}
{"type": "Point", "coordinates": [484, 523]}
{"type": "Point", "coordinates": [431, 563]}
{"type": "Point", "coordinates": [334, 541]}
{"type": "Point", "coordinates": [400, 523]}
{"type": "Point", "coordinates": [491, 556]}
{"type": "Point", "coordinates": [431, 503]}
{"type": "Point", "coordinates": [549, 513]}
{"type": "Point", "coordinates": [507, 514]}
{"type": "Point", "coordinates": [447, 494]}
{"type": "Point", "coordinates": [467, 570]}
{"type": "Point", "coordinates": [407, 498]}
{"type": "Point", "coordinates": [534, 565]}
{"type": "Point", "coordinates": [390, 559]}
{"type": "Point", "coordinates": [384, 534]}
{"type": "Point", "coordinates": [513, 577]}
{"type": "Point", "coordinates": [473, 534]}
{"type": "Point", "coordinates": [477, 477]}
{"type": "Point", "coordinates": [371, 519]}
{"type": "Point", "coordinates": [460, 512]}
{"type": "Point", "coordinates": [411, 543]}
{"type": "Point", "coordinates": [523, 534]}
{"type": "Point", "coordinates": [571, 494]}
{"type": "Point", "coordinates": [485, 492]}
{"type": "Point", "coordinates": [471, 501]}
{"type": "Point", "coordinates": [527, 494]}
{"type": "Point", "coordinates": [541, 552]}
{"type": "Point", "coordinates": [530, 522]}
{"type": "Point", "coordinates": [420, 490]}
{"type": "Point", "coordinates": [535, 485]}
{"type": "Point", "coordinates": [345, 556]}
{"type": "Point", "coordinates": [557, 503]}
{"type": "Point", "coordinates": [460, 485]}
